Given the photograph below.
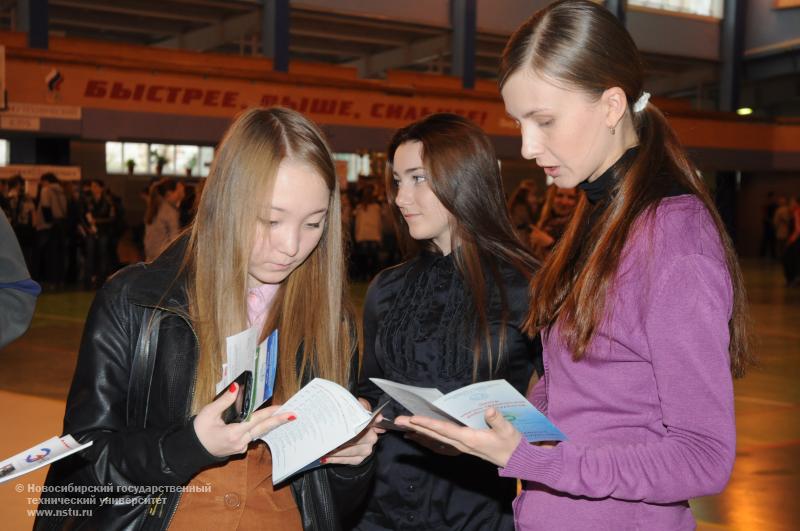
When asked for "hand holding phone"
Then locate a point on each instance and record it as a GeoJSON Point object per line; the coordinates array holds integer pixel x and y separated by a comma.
{"type": "Point", "coordinates": [221, 439]}
{"type": "Point", "coordinates": [237, 411]}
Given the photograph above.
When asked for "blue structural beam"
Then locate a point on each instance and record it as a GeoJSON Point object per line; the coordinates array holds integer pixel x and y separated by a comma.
{"type": "Point", "coordinates": [275, 33]}
{"type": "Point", "coordinates": [731, 54]}
{"type": "Point", "coordinates": [463, 15]}
{"type": "Point", "coordinates": [32, 18]}
{"type": "Point", "coordinates": [618, 7]}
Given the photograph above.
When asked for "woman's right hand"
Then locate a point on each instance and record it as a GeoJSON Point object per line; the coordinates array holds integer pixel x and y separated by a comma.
{"type": "Point", "coordinates": [222, 440]}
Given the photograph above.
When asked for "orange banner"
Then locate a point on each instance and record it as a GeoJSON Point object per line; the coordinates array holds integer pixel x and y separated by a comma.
{"type": "Point", "coordinates": [174, 94]}
{"type": "Point", "coordinates": [59, 89]}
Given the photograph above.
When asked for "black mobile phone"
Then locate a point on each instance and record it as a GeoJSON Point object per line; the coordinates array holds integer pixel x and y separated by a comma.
{"type": "Point", "coordinates": [237, 411]}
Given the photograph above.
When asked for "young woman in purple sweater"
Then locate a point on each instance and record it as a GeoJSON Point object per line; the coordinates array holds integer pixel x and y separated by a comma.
{"type": "Point", "coordinates": [641, 305]}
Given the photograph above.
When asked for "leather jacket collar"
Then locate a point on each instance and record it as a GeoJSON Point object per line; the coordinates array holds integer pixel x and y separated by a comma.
{"type": "Point", "coordinates": [163, 282]}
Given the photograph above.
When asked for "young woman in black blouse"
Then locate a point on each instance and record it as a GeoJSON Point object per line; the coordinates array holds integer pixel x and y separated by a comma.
{"type": "Point", "coordinates": [450, 316]}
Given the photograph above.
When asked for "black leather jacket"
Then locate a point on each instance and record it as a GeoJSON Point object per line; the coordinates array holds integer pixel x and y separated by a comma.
{"type": "Point", "coordinates": [144, 441]}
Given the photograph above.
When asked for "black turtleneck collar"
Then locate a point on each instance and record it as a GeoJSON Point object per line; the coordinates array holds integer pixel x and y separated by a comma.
{"type": "Point", "coordinates": [600, 188]}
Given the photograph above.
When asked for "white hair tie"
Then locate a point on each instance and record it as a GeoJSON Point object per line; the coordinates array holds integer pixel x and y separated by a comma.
{"type": "Point", "coordinates": [641, 103]}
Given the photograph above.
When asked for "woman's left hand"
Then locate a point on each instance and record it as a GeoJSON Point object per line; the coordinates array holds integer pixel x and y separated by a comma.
{"type": "Point", "coordinates": [494, 445]}
{"type": "Point", "coordinates": [359, 448]}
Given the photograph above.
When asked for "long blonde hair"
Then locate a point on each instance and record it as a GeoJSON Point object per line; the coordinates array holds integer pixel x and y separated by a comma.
{"type": "Point", "coordinates": [310, 309]}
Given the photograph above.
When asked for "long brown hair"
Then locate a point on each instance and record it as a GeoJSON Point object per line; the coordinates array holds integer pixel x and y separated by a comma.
{"type": "Point", "coordinates": [310, 308]}
{"type": "Point", "coordinates": [582, 45]}
{"type": "Point", "coordinates": [463, 173]}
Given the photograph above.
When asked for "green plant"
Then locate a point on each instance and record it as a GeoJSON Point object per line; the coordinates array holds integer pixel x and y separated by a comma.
{"type": "Point", "coordinates": [158, 158]}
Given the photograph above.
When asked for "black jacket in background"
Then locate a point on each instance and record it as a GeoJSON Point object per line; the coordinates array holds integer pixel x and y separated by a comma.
{"type": "Point", "coordinates": [166, 451]}
{"type": "Point", "coordinates": [419, 330]}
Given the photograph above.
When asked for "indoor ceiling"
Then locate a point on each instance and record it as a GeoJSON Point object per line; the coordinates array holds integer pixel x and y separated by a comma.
{"type": "Point", "coordinates": [371, 44]}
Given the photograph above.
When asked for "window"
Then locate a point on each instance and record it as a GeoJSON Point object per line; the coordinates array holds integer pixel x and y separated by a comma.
{"type": "Point", "coordinates": [145, 158]}
{"type": "Point", "coordinates": [115, 162]}
{"type": "Point", "coordinates": [3, 152]}
{"type": "Point", "coordinates": [356, 164]}
{"type": "Point", "coordinates": [709, 8]}
{"type": "Point", "coordinates": [187, 159]}
{"type": "Point", "coordinates": [206, 156]}
{"type": "Point", "coordinates": [137, 154]}
{"type": "Point", "coordinates": [162, 155]}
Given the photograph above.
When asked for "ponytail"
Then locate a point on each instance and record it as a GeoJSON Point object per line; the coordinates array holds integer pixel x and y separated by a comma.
{"type": "Point", "coordinates": [659, 139]}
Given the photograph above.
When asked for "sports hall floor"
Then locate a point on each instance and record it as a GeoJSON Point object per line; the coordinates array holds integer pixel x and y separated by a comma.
{"type": "Point", "coordinates": [37, 369]}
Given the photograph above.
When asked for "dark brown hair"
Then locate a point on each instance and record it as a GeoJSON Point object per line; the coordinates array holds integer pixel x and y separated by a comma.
{"type": "Point", "coordinates": [581, 45]}
{"type": "Point", "coordinates": [462, 170]}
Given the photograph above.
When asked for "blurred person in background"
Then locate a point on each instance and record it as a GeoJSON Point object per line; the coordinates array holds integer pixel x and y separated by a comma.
{"type": "Point", "coordinates": [791, 257]}
{"type": "Point", "coordinates": [50, 221]}
{"type": "Point", "coordinates": [768, 236]}
{"type": "Point", "coordinates": [783, 225]}
{"type": "Point", "coordinates": [368, 233]}
{"type": "Point", "coordinates": [162, 218]}
{"type": "Point", "coordinates": [347, 217]}
{"type": "Point", "coordinates": [187, 208]}
{"type": "Point", "coordinates": [73, 239]}
{"type": "Point", "coordinates": [523, 206]}
{"type": "Point", "coordinates": [117, 229]}
{"type": "Point", "coordinates": [98, 218]}
{"type": "Point", "coordinates": [559, 205]}
{"type": "Point", "coordinates": [5, 207]}
{"type": "Point", "coordinates": [22, 209]}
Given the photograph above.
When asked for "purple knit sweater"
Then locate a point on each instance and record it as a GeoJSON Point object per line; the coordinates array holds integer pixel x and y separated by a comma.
{"type": "Point", "coordinates": [649, 412]}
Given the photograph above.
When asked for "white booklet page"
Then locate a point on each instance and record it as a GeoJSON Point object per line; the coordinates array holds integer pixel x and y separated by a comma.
{"type": "Point", "coordinates": [327, 417]}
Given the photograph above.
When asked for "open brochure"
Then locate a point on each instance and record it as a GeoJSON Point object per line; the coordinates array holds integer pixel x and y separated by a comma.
{"type": "Point", "coordinates": [39, 455]}
{"type": "Point", "coordinates": [327, 417]}
{"type": "Point", "coordinates": [467, 406]}
{"type": "Point", "coordinates": [245, 354]}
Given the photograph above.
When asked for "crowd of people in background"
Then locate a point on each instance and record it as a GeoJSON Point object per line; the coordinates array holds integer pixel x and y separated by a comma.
{"type": "Point", "coordinates": [70, 231]}
{"type": "Point", "coordinates": [538, 218]}
{"type": "Point", "coordinates": [541, 221]}
{"type": "Point", "coordinates": [780, 238]}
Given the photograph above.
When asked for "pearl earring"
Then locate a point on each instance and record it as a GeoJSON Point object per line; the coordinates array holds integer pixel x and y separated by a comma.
{"type": "Point", "coordinates": [613, 130]}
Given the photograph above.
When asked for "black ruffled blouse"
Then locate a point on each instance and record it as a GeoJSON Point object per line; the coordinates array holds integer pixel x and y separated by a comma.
{"type": "Point", "coordinates": [419, 329]}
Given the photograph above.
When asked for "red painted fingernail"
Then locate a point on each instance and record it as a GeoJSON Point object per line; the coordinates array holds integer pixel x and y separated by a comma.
{"type": "Point", "coordinates": [323, 460]}
{"type": "Point", "coordinates": [232, 388]}
{"type": "Point", "coordinates": [292, 417]}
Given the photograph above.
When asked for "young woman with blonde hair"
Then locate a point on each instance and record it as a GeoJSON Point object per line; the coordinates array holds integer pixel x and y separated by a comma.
{"type": "Point", "coordinates": [641, 305]}
{"type": "Point", "coordinates": [266, 250]}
